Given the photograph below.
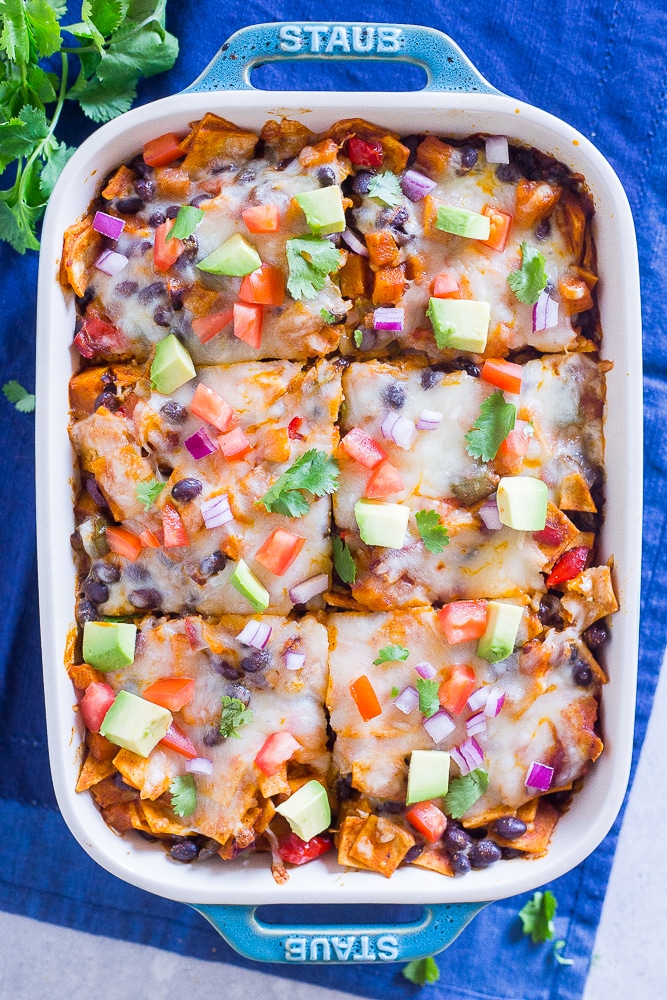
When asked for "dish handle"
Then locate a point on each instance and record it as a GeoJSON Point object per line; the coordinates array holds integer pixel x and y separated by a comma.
{"type": "Point", "coordinates": [310, 944]}
{"type": "Point", "coordinates": [446, 66]}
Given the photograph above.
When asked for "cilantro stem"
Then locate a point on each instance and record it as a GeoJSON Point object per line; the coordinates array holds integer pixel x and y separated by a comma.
{"type": "Point", "coordinates": [23, 170]}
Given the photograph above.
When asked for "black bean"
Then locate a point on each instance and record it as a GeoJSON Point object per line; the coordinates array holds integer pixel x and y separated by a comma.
{"type": "Point", "coordinates": [218, 167]}
{"type": "Point", "coordinates": [509, 827]}
{"type": "Point", "coordinates": [184, 851]}
{"type": "Point", "coordinates": [390, 808]}
{"type": "Point", "coordinates": [596, 634]}
{"type": "Point", "coordinates": [413, 853]}
{"type": "Point", "coordinates": [200, 199]}
{"type": "Point", "coordinates": [174, 412]}
{"type": "Point", "coordinates": [245, 175]}
{"type": "Point", "coordinates": [460, 862]}
{"type": "Point", "coordinates": [145, 188]}
{"type": "Point", "coordinates": [135, 571]}
{"type": "Point", "coordinates": [95, 492]}
{"type": "Point", "coordinates": [190, 247]}
{"type": "Point", "coordinates": [344, 787]}
{"type": "Point", "coordinates": [240, 692]}
{"type": "Point", "coordinates": [412, 141]}
{"type": "Point", "coordinates": [401, 216]}
{"type": "Point", "coordinates": [213, 563]}
{"type": "Point", "coordinates": [108, 399]}
{"type": "Point", "coordinates": [469, 157]}
{"type": "Point", "coordinates": [428, 378]}
{"type": "Point", "coordinates": [212, 737]}
{"type": "Point", "coordinates": [369, 338]}
{"type": "Point", "coordinates": [83, 301]}
{"type": "Point", "coordinates": [126, 288]}
{"type": "Point", "coordinates": [393, 395]}
{"type": "Point", "coordinates": [456, 838]}
{"type": "Point", "coordinates": [550, 611]}
{"type": "Point", "coordinates": [509, 853]}
{"type": "Point", "coordinates": [173, 211]}
{"type": "Point", "coordinates": [582, 674]}
{"type": "Point", "coordinates": [97, 593]}
{"type": "Point", "coordinates": [145, 597]}
{"type": "Point", "coordinates": [151, 292]}
{"type": "Point", "coordinates": [468, 366]}
{"type": "Point", "coordinates": [108, 381]}
{"type": "Point", "coordinates": [139, 165]}
{"type": "Point", "coordinates": [484, 853]}
{"type": "Point", "coordinates": [129, 206]}
{"type": "Point", "coordinates": [335, 238]}
{"type": "Point", "coordinates": [157, 219]}
{"type": "Point", "coordinates": [584, 520]}
{"type": "Point", "coordinates": [119, 783]}
{"type": "Point", "coordinates": [147, 836]}
{"type": "Point", "coordinates": [76, 541]}
{"type": "Point", "coordinates": [176, 293]}
{"type": "Point", "coordinates": [508, 172]}
{"type": "Point", "coordinates": [105, 572]}
{"type": "Point", "coordinates": [208, 848]}
{"type": "Point", "coordinates": [186, 489]}
{"type": "Point", "coordinates": [221, 666]}
{"type": "Point", "coordinates": [542, 230]}
{"type": "Point", "coordinates": [326, 177]}
{"type": "Point", "coordinates": [361, 182]}
{"type": "Point", "coordinates": [258, 659]}
{"type": "Point", "coordinates": [162, 316]}
{"type": "Point", "coordinates": [402, 239]}
{"type": "Point", "coordinates": [85, 612]}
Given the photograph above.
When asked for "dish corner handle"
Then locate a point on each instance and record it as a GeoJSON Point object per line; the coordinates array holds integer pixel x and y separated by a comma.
{"type": "Point", "coordinates": [447, 67]}
{"type": "Point", "coordinates": [328, 944]}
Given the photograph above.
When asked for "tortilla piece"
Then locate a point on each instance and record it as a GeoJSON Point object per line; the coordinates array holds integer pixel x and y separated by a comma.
{"type": "Point", "coordinates": [124, 816]}
{"type": "Point", "coordinates": [381, 845]}
{"type": "Point", "coordinates": [575, 494]}
{"type": "Point", "coordinates": [215, 138]}
{"type": "Point", "coordinates": [100, 747]}
{"type": "Point", "coordinates": [93, 771]}
{"type": "Point", "coordinates": [82, 674]}
{"type": "Point", "coordinates": [162, 820]}
{"type": "Point", "coordinates": [287, 138]}
{"type": "Point", "coordinates": [435, 859]}
{"type": "Point", "coordinates": [589, 597]}
{"type": "Point", "coordinates": [346, 836]}
{"type": "Point", "coordinates": [107, 793]}
{"type": "Point", "coordinates": [120, 185]}
{"type": "Point", "coordinates": [81, 247]}
{"type": "Point", "coordinates": [274, 784]}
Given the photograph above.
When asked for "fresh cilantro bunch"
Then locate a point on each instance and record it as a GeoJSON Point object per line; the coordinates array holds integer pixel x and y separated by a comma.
{"type": "Point", "coordinates": [115, 43]}
{"type": "Point", "coordinates": [310, 259]}
{"type": "Point", "coordinates": [496, 419]}
{"type": "Point", "coordinates": [315, 472]}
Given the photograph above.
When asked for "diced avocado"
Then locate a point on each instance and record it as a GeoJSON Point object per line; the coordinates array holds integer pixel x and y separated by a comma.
{"type": "Point", "coordinates": [135, 724]}
{"type": "Point", "coordinates": [502, 626]}
{"type": "Point", "coordinates": [460, 323]}
{"type": "Point", "coordinates": [236, 257]}
{"type": "Point", "coordinates": [109, 645]}
{"type": "Point", "coordinates": [323, 209]}
{"type": "Point", "coordinates": [382, 523]}
{"type": "Point", "coordinates": [522, 502]}
{"type": "Point", "coordinates": [428, 775]}
{"type": "Point", "coordinates": [172, 365]}
{"type": "Point", "coordinates": [461, 222]}
{"type": "Point", "coordinates": [307, 810]}
{"type": "Point", "coordinates": [247, 584]}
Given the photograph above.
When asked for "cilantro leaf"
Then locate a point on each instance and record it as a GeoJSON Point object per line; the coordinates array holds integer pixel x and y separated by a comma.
{"type": "Point", "coordinates": [15, 37]}
{"type": "Point", "coordinates": [391, 654]}
{"type": "Point", "coordinates": [183, 795]}
{"type": "Point", "coordinates": [395, 692]}
{"type": "Point", "coordinates": [558, 947]}
{"type": "Point", "coordinates": [310, 259]}
{"type": "Point", "coordinates": [102, 100]}
{"type": "Point", "coordinates": [21, 136]}
{"type": "Point", "coordinates": [234, 715]}
{"type": "Point", "coordinates": [54, 166]}
{"type": "Point", "coordinates": [315, 471]}
{"type": "Point", "coordinates": [185, 223]}
{"type": "Point", "coordinates": [432, 531]}
{"type": "Point", "coordinates": [344, 561]}
{"type": "Point", "coordinates": [148, 492]}
{"type": "Point", "coordinates": [537, 916]}
{"type": "Point", "coordinates": [358, 337]}
{"type": "Point", "coordinates": [422, 971]}
{"type": "Point", "coordinates": [429, 703]}
{"type": "Point", "coordinates": [496, 419]}
{"type": "Point", "coordinates": [44, 26]}
{"type": "Point", "coordinates": [465, 791]}
{"type": "Point", "coordinates": [23, 400]}
{"type": "Point", "coordinates": [386, 188]}
{"type": "Point", "coordinates": [327, 316]}
{"type": "Point", "coordinates": [530, 280]}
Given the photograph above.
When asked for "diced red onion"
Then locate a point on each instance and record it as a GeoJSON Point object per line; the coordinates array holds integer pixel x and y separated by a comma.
{"type": "Point", "coordinates": [199, 444]}
{"type": "Point", "coordinates": [407, 700]}
{"type": "Point", "coordinates": [416, 186]}
{"type": "Point", "coordinates": [255, 634]}
{"type": "Point", "coordinates": [303, 592]}
{"type": "Point", "coordinates": [489, 514]}
{"type": "Point", "coordinates": [476, 724]}
{"type": "Point", "coordinates": [199, 765]}
{"type": "Point", "coordinates": [477, 699]}
{"type": "Point", "coordinates": [497, 149]}
{"type": "Point", "coordinates": [425, 670]}
{"type": "Point", "coordinates": [539, 776]}
{"type": "Point", "coordinates": [429, 420]}
{"type": "Point", "coordinates": [111, 262]}
{"type": "Point", "coordinates": [439, 726]}
{"type": "Point", "coordinates": [354, 242]}
{"type": "Point", "coordinates": [108, 225]}
{"type": "Point", "coordinates": [400, 430]}
{"type": "Point", "coordinates": [294, 661]}
{"type": "Point", "coordinates": [545, 313]}
{"type": "Point", "coordinates": [389, 318]}
{"type": "Point", "coordinates": [494, 702]}
{"type": "Point", "coordinates": [216, 512]}
{"type": "Point", "coordinates": [459, 759]}
{"type": "Point", "coordinates": [472, 754]}
{"type": "Point", "coordinates": [95, 492]}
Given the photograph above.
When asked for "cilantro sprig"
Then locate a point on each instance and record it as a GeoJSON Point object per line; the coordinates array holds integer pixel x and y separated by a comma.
{"type": "Point", "coordinates": [344, 561]}
{"type": "Point", "coordinates": [422, 971]}
{"type": "Point", "coordinates": [537, 916]}
{"type": "Point", "coordinates": [432, 531]}
{"type": "Point", "coordinates": [496, 419]}
{"type": "Point", "coordinates": [183, 795]}
{"type": "Point", "coordinates": [386, 188]}
{"type": "Point", "coordinates": [560, 958]}
{"type": "Point", "coordinates": [429, 703]}
{"type": "Point", "coordinates": [530, 280]}
{"type": "Point", "coordinates": [23, 400]}
{"type": "Point", "coordinates": [114, 44]}
{"type": "Point", "coordinates": [391, 654]}
{"type": "Point", "coordinates": [148, 492]}
{"type": "Point", "coordinates": [310, 259]}
{"type": "Point", "coordinates": [314, 472]}
{"type": "Point", "coordinates": [185, 223]}
{"type": "Point", "coordinates": [465, 791]}
{"type": "Point", "coordinates": [234, 715]}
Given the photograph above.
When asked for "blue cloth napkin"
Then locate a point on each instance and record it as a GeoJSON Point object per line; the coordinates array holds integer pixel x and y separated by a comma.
{"type": "Point", "coordinates": [599, 66]}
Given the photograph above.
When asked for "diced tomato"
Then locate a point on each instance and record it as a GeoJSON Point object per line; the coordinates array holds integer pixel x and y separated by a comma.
{"type": "Point", "coordinates": [166, 253]}
{"type": "Point", "coordinates": [97, 336]}
{"type": "Point", "coordinates": [277, 748]}
{"type": "Point", "coordinates": [211, 407]}
{"type": "Point", "coordinates": [517, 442]}
{"type": "Point", "coordinates": [430, 821]}
{"type": "Point", "coordinates": [171, 692]}
{"type": "Point", "coordinates": [293, 429]}
{"type": "Point", "coordinates": [553, 533]}
{"type": "Point", "coordinates": [163, 150]}
{"type": "Point", "coordinates": [262, 218]}
{"type": "Point", "coordinates": [175, 739]}
{"type": "Point", "coordinates": [149, 540]}
{"type": "Point", "coordinates": [462, 621]}
{"type": "Point", "coordinates": [504, 375]}
{"type": "Point", "coordinates": [248, 323]}
{"type": "Point", "coordinates": [297, 851]}
{"type": "Point", "coordinates": [384, 481]}
{"type": "Point", "coordinates": [205, 328]}
{"type": "Point", "coordinates": [457, 687]}
{"type": "Point", "coordinates": [363, 448]}
{"type": "Point", "coordinates": [123, 542]}
{"type": "Point", "coordinates": [446, 286]}
{"type": "Point", "coordinates": [265, 286]}
{"type": "Point", "coordinates": [570, 564]}
{"type": "Point", "coordinates": [279, 551]}
{"type": "Point", "coordinates": [95, 704]}
{"type": "Point", "coordinates": [175, 534]}
{"type": "Point", "coordinates": [500, 227]}
{"type": "Point", "coordinates": [234, 444]}
{"type": "Point", "coordinates": [364, 152]}
{"type": "Point", "coordinates": [365, 698]}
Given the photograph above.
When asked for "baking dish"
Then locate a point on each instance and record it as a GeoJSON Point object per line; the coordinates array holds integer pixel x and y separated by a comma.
{"type": "Point", "coordinates": [458, 102]}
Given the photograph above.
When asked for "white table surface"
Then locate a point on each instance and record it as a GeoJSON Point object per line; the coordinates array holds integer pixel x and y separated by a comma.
{"type": "Point", "coordinates": [40, 961]}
